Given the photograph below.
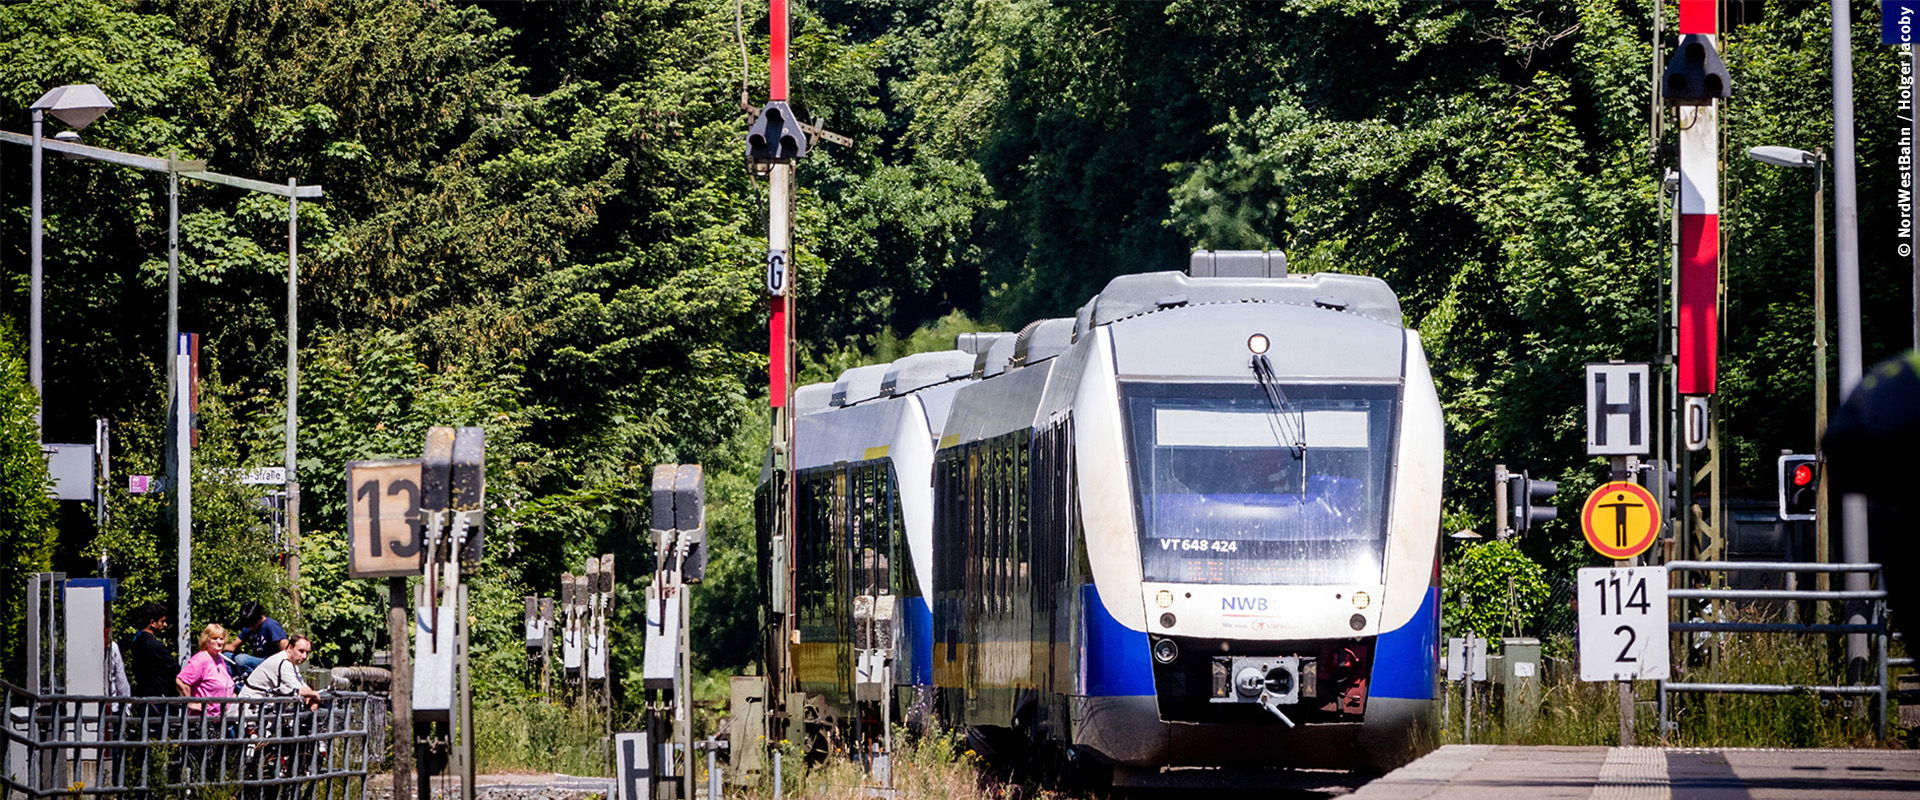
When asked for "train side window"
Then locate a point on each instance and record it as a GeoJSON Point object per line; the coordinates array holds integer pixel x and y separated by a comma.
{"type": "Point", "coordinates": [1003, 531]}
{"type": "Point", "coordinates": [1009, 455]}
{"type": "Point", "coordinates": [898, 565]}
{"type": "Point", "coordinates": [807, 574]}
{"type": "Point", "coordinates": [869, 538]}
{"type": "Point", "coordinates": [942, 518]}
{"type": "Point", "coordinates": [998, 531]}
{"type": "Point", "coordinates": [974, 512]}
{"type": "Point", "coordinates": [882, 534]}
{"type": "Point", "coordinates": [1023, 533]}
{"type": "Point", "coordinates": [990, 529]}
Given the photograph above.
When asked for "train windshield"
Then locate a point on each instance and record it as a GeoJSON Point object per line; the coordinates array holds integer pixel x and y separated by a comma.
{"type": "Point", "coordinates": [1239, 485]}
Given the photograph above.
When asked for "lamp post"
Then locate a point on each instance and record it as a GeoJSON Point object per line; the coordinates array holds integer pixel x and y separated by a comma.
{"type": "Point", "coordinates": [1794, 158]}
{"type": "Point", "coordinates": [78, 106]}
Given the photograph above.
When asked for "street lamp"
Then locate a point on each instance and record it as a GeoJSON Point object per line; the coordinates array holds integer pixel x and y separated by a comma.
{"type": "Point", "coordinates": [1800, 159]}
{"type": "Point", "coordinates": [78, 106]}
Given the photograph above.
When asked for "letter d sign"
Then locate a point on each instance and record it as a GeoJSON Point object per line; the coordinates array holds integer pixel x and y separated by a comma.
{"type": "Point", "coordinates": [1697, 423]}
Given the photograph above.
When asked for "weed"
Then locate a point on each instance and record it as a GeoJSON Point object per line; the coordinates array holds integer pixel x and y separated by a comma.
{"type": "Point", "coordinates": [541, 736]}
{"type": "Point", "coordinates": [1575, 712]}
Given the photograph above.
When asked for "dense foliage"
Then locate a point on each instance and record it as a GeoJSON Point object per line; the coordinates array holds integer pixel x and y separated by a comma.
{"type": "Point", "coordinates": [27, 534]}
{"type": "Point", "coordinates": [1491, 590]}
{"type": "Point", "coordinates": [537, 219]}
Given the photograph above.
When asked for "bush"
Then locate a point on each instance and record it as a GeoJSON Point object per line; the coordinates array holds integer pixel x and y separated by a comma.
{"type": "Point", "coordinates": [26, 512]}
{"type": "Point", "coordinates": [1490, 589]}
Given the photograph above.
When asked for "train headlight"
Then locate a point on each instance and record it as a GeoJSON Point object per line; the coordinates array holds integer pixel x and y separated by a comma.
{"type": "Point", "coordinates": [1165, 651]}
{"type": "Point", "coordinates": [1258, 343]}
{"type": "Point", "coordinates": [1361, 600]}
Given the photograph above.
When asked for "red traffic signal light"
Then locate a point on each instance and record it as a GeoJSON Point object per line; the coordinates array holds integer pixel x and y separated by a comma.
{"type": "Point", "coordinates": [1799, 486]}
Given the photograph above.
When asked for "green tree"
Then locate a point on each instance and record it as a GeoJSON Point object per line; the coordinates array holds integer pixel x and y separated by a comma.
{"type": "Point", "coordinates": [234, 554]}
{"type": "Point", "coordinates": [26, 511]}
{"type": "Point", "coordinates": [1489, 590]}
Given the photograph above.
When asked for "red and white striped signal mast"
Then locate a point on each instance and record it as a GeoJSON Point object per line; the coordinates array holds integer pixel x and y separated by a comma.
{"type": "Point", "coordinates": [775, 140]}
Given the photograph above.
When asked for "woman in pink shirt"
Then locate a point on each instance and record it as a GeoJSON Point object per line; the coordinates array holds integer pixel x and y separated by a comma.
{"type": "Point", "coordinates": [206, 675]}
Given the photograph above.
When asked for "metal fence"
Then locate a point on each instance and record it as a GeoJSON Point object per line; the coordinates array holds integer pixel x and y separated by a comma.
{"type": "Point", "coordinates": [1556, 617]}
{"type": "Point", "coordinates": [1876, 625]}
{"type": "Point", "coordinates": [159, 747]}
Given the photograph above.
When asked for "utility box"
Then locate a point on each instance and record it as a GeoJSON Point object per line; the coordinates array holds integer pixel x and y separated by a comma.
{"type": "Point", "coordinates": [746, 729]}
{"type": "Point", "coordinates": [1520, 671]}
{"type": "Point", "coordinates": [1463, 660]}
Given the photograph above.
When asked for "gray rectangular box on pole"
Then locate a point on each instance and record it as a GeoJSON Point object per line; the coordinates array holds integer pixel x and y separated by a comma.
{"type": "Point", "coordinates": [690, 518]}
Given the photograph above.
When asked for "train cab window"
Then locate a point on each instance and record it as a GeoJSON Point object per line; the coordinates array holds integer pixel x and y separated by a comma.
{"type": "Point", "coordinates": [1231, 489]}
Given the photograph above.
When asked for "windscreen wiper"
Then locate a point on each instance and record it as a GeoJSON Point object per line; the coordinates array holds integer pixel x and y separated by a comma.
{"type": "Point", "coordinates": [1293, 426]}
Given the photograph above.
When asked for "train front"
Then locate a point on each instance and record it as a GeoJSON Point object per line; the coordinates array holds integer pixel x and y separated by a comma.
{"type": "Point", "coordinates": [1260, 483]}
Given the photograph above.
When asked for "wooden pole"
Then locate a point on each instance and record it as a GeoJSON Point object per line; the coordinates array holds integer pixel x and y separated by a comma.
{"type": "Point", "coordinates": [1623, 471]}
{"type": "Point", "coordinates": [399, 621]}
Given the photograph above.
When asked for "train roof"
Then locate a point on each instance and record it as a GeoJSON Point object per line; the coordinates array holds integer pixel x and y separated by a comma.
{"type": "Point", "coordinates": [812, 397]}
{"type": "Point", "coordinates": [977, 342]}
{"type": "Point", "coordinates": [1144, 293]}
{"type": "Point", "coordinates": [1042, 340]}
{"type": "Point", "coordinates": [921, 370]}
{"type": "Point", "coordinates": [857, 384]}
{"type": "Point", "coordinates": [993, 360]}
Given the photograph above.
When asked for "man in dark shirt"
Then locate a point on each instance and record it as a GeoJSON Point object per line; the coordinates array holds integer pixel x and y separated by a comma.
{"type": "Point", "coordinates": [153, 665]}
{"type": "Point", "coordinates": [261, 635]}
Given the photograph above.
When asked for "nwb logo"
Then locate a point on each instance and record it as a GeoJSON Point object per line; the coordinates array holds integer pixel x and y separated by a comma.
{"type": "Point", "coordinates": [1243, 604]}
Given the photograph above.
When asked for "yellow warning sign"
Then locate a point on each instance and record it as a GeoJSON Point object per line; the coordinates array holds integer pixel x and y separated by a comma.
{"type": "Point", "coordinates": [1620, 519]}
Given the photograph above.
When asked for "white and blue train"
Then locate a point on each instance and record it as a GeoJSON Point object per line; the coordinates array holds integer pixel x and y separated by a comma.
{"type": "Point", "coordinates": [1197, 525]}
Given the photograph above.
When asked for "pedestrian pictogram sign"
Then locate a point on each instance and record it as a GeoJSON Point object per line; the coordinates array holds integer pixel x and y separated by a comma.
{"type": "Point", "coordinates": [1620, 519]}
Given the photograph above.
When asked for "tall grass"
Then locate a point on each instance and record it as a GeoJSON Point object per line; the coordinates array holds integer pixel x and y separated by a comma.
{"type": "Point", "coordinates": [930, 767]}
{"type": "Point", "coordinates": [1574, 712]}
{"type": "Point", "coordinates": [535, 735]}
{"type": "Point", "coordinates": [1802, 720]}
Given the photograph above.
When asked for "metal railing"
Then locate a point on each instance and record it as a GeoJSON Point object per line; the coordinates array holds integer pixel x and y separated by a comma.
{"type": "Point", "coordinates": [157, 747]}
{"type": "Point", "coordinates": [1876, 625]}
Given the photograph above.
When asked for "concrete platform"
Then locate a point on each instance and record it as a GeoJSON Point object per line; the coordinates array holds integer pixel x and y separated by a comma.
{"type": "Point", "coordinates": [1488, 772]}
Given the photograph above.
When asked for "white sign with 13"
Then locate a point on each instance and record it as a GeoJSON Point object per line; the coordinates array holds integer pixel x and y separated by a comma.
{"type": "Point", "coordinates": [1623, 623]}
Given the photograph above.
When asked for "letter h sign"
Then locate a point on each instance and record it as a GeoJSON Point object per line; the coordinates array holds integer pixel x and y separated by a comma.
{"type": "Point", "coordinates": [1619, 422]}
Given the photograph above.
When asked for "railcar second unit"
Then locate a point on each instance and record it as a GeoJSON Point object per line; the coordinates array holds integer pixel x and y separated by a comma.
{"type": "Point", "coordinates": [1196, 525]}
{"type": "Point", "coordinates": [863, 506]}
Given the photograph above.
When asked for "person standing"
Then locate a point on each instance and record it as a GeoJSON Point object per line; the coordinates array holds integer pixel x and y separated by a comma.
{"type": "Point", "coordinates": [279, 675]}
{"type": "Point", "coordinates": [206, 675]}
{"type": "Point", "coordinates": [153, 669]}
